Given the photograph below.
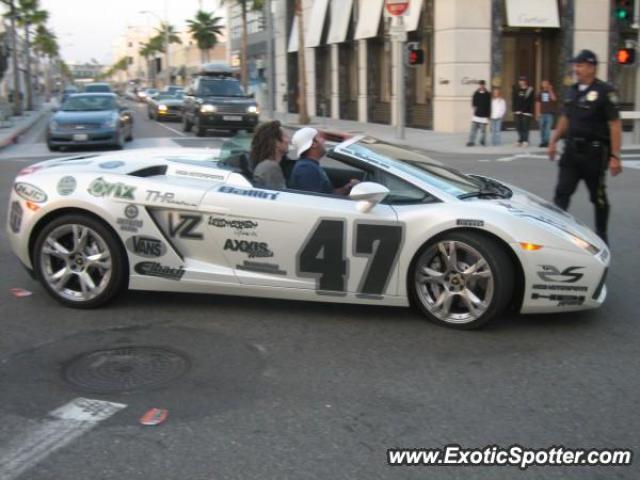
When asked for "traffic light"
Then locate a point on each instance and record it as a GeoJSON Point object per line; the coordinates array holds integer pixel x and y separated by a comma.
{"type": "Point", "coordinates": [415, 55]}
{"type": "Point", "coordinates": [626, 56]}
{"type": "Point", "coordinates": [623, 11]}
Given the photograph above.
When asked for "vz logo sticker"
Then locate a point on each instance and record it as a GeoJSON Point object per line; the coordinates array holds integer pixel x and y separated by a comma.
{"type": "Point", "coordinates": [185, 228]}
{"type": "Point", "coordinates": [549, 273]}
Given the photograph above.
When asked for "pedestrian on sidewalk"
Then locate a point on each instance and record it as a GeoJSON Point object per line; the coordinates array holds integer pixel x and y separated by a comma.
{"type": "Point", "coordinates": [592, 130]}
{"type": "Point", "coordinates": [546, 102]}
{"type": "Point", "coordinates": [481, 103]}
{"type": "Point", "coordinates": [498, 109]}
{"type": "Point", "coordinates": [522, 103]}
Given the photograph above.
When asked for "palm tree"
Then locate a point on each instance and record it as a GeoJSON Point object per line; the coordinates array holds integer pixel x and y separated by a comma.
{"type": "Point", "coordinates": [148, 50]}
{"type": "Point", "coordinates": [45, 43]}
{"type": "Point", "coordinates": [204, 29]}
{"type": "Point", "coordinates": [302, 76]}
{"type": "Point", "coordinates": [245, 6]}
{"type": "Point", "coordinates": [29, 14]}
{"type": "Point", "coordinates": [162, 31]}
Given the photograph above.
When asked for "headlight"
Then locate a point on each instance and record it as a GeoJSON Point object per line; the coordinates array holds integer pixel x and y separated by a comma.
{"type": "Point", "coordinates": [253, 109]}
{"type": "Point", "coordinates": [53, 125]}
{"type": "Point", "coordinates": [208, 108]}
{"type": "Point", "coordinates": [110, 123]}
{"type": "Point", "coordinates": [592, 249]}
{"type": "Point", "coordinates": [162, 108]}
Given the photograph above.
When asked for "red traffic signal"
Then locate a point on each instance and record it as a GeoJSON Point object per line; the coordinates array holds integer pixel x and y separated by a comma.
{"type": "Point", "coordinates": [626, 56]}
{"type": "Point", "coordinates": [415, 56]}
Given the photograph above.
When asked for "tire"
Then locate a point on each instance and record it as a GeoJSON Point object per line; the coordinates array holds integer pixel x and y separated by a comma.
{"type": "Point", "coordinates": [186, 124]}
{"type": "Point", "coordinates": [451, 295]}
{"type": "Point", "coordinates": [81, 237]}
{"type": "Point", "coordinates": [200, 130]}
{"type": "Point", "coordinates": [53, 148]}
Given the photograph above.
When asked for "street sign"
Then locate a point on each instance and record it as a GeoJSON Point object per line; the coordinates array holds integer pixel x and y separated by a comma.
{"type": "Point", "coordinates": [397, 7]}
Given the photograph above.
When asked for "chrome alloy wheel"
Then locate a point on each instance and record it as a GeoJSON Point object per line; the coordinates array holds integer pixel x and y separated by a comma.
{"type": "Point", "coordinates": [454, 282]}
{"type": "Point", "coordinates": [75, 262]}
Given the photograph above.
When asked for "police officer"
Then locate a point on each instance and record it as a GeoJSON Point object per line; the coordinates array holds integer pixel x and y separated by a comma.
{"type": "Point", "coordinates": [590, 124]}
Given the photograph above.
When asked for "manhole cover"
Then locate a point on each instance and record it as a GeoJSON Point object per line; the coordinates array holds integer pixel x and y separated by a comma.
{"type": "Point", "coordinates": [125, 369]}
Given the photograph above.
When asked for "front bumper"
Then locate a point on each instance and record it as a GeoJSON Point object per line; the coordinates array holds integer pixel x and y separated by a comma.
{"type": "Point", "coordinates": [101, 136]}
{"type": "Point", "coordinates": [229, 120]}
{"type": "Point", "coordinates": [175, 114]}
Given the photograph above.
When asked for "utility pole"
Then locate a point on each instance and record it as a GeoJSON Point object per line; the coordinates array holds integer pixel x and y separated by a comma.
{"type": "Point", "coordinates": [398, 37]}
{"type": "Point", "coordinates": [270, 59]}
{"type": "Point", "coordinates": [166, 43]}
{"type": "Point", "coordinates": [636, 25]}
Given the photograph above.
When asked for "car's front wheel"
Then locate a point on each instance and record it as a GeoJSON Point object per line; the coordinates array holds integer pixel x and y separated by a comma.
{"type": "Point", "coordinates": [462, 280]}
{"type": "Point", "coordinates": [79, 261]}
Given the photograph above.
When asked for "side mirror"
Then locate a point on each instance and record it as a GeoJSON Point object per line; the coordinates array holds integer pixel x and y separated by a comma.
{"type": "Point", "coordinates": [368, 195]}
{"type": "Point", "coordinates": [251, 95]}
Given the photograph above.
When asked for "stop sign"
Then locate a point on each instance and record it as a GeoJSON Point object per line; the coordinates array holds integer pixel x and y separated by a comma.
{"type": "Point", "coordinates": [397, 7]}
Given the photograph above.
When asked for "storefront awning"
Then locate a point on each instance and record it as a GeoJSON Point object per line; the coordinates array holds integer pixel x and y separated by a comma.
{"type": "Point", "coordinates": [533, 14]}
{"type": "Point", "coordinates": [369, 19]}
{"type": "Point", "coordinates": [340, 18]}
{"type": "Point", "coordinates": [293, 37]}
{"type": "Point", "coordinates": [313, 35]}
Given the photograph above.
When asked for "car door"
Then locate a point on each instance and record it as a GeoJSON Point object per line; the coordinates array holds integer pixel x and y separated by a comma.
{"type": "Point", "coordinates": [306, 241]}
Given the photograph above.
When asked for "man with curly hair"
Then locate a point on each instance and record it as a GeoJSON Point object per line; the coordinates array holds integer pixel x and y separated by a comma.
{"type": "Point", "coordinates": [269, 144]}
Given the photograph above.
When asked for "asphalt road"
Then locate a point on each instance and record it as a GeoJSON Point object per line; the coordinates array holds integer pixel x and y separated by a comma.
{"type": "Point", "coordinates": [266, 389]}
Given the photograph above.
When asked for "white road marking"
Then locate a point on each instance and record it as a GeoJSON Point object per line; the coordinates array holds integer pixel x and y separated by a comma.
{"type": "Point", "coordinates": [64, 425]}
{"type": "Point", "coordinates": [630, 163]}
{"type": "Point", "coordinates": [172, 129]}
{"type": "Point", "coordinates": [520, 155]}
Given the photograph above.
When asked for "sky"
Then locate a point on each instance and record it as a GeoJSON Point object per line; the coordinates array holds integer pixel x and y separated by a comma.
{"type": "Point", "coordinates": [87, 29]}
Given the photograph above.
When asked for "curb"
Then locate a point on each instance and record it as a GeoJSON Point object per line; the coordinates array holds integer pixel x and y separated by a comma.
{"type": "Point", "coordinates": [14, 134]}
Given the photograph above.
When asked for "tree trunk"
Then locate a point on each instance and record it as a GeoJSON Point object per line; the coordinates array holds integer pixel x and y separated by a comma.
{"type": "Point", "coordinates": [244, 68]}
{"type": "Point", "coordinates": [17, 103]}
{"type": "Point", "coordinates": [27, 54]}
{"type": "Point", "coordinates": [302, 73]}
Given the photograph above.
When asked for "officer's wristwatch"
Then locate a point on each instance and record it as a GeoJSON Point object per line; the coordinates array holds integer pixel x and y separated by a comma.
{"type": "Point", "coordinates": [616, 156]}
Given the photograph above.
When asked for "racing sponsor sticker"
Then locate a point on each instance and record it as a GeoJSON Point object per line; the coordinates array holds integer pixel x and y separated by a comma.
{"type": "Point", "coordinates": [167, 197]}
{"type": "Point", "coordinates": [207, 176]}
{"type": "Point", "coordinates": [249, 192]}
{"type": "Point", "coordinates": [260, 267]}
{"type": "Point", "coordinates": [145, 246]}
{"type": "Point", "coordinates": [102, 188]}
{"type": "Point", "coordinates": [549, 273]}
{"type": "Point", "coordinates": [130, 223]}
{"type": "Point", "coordinates": [15, 217]}
{"type": "Point", "coordinates": [237, 224]}
{"type": "Point", "coordinates": [30, 192]}
{"type": "Point", "coordinates": [252, 249]}
{"type": "Point", "coordinates": [469, 222]}
{"type": "Point", "coordinates": [155, 269]}
{"type": "Point", "coordinates": [563, 300]}
{"type": "Point", "coordinates": [66, 186]}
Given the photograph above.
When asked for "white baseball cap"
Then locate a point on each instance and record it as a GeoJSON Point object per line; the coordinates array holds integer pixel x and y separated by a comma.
{"type": "Point", "coordinates": [302, 140]}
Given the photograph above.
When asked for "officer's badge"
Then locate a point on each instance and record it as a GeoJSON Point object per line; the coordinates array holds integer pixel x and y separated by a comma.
{"type": "Point", "coordinates": [592, 96]}
{"type": "Point", "coordinates": [613, 98]}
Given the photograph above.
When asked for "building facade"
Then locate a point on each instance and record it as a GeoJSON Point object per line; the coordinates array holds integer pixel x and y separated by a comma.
{"type": "Point", "coordinates": [349, 59]}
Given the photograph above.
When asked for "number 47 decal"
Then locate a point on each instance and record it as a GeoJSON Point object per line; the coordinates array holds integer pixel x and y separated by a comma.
{"type": "Point", "coordinates": [323, 255]}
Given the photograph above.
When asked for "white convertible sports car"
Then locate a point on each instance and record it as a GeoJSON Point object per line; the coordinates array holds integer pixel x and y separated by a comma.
{"type": "Point", "coordinates": [461, 248]}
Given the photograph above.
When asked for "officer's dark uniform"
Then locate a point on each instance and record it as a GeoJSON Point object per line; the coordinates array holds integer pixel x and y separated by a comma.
{"type": "Point", "coordinates": [587, 147]}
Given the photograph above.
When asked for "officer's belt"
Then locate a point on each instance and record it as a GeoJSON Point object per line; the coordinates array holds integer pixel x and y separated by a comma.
{"type": "Point", "coordinates": [584, 141]}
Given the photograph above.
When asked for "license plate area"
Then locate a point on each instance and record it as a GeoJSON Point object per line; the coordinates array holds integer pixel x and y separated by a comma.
{"type": "Point", "coordinates": [232, 118]}
{"type": "Point", "coordinates": [80, 137]}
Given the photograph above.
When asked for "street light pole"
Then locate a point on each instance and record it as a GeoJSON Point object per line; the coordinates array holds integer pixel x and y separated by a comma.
{"type": "Point", "coordinates": [398, 36]}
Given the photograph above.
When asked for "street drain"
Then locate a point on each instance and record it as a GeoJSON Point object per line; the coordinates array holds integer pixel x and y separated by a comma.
{"type": "Point", "coordinates": [125, 369]}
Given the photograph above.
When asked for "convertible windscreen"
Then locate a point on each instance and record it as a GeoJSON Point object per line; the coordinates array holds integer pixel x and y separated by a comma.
{"type": "Point", "coordinates": [414, 163]}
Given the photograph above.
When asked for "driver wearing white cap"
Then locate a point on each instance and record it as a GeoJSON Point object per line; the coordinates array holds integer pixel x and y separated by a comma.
{"type": "Point", "coordinates": [307, 174]}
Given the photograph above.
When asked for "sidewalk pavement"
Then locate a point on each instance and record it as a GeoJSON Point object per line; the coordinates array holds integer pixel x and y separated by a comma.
{"type": "Point", "coordinates": [434, 141]}
{"type": "Point", "coordinates": [16, 126]}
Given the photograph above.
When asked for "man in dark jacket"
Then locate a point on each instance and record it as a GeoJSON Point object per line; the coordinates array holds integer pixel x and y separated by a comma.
{"type": "Point", "coordinates": [481, 103]}
{"type": "Point", "coordinates": [523, 102]}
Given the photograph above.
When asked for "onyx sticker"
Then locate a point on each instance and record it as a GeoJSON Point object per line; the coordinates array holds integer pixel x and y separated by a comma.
{"type": "Point", "coordinates": [66, 186]}
{"type": "Point", "coordinates": [249, 193]}
{"type": "Point", "coordinates": [30, 192]}
{"type": "Point", "coordinates": [144, 246]}
{"type": "Point", "coordinates": [253, 249]}
{"type": "Point", "coordinates": [102, 188]}
{"type": "Point", "coordinates": [155, 269]}
{"type": "Point", "coordinates": [549, 273]}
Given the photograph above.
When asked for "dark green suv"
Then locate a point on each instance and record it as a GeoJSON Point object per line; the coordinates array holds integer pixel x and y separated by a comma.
{"type": "Point", "coordinates": [216, 100]}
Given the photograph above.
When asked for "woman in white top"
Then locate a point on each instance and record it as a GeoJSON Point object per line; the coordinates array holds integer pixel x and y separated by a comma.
{"type": "Point", "coordinates": [498, 109]}
{"type": "Point", "coordinates": [269, 144]}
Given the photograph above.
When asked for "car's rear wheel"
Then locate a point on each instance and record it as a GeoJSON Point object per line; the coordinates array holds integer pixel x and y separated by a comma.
{"type": "Point", "coordinates": [462, 280]}
{"type": "Point", "coordinates": [79, 261]}
{"type": "Point", "coordinates": [186, 124]}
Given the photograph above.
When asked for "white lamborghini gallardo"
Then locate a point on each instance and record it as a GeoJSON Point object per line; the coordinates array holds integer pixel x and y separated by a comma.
{"type": "Point", "coordinates": [461, 248]}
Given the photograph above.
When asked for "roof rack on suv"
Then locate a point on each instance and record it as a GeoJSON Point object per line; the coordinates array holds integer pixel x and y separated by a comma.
{"type": "Point", "coordinates": [216, 70]}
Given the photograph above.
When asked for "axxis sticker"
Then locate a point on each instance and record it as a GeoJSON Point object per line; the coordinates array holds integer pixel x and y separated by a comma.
{"type": "Point", "coordinates": [253, 249]}
{"type": "Point", "coordinates": [101, 188]}
{"type": "Point", "coordinates": [155, 269]}
{"type": "Point", "coordinates": [549, 273]}
{"type": "Point", "coordinates": [148, 247]}
{"type": "Point", "coordinates": [30, 192]}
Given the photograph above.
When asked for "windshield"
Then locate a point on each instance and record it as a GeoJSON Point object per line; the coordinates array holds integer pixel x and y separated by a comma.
{"type": "Point", "coordinates": [221, 87]}
{"type": "Point", "coordinates": [89, 103]}
{"type": "Point", "coordinates": [414, 163]}
{"type": "Point", "coordinates": [97, 88]}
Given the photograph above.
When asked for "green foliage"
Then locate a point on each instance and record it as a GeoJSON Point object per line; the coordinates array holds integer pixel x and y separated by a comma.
{"type": "Point", "coordinates": [205, 29]}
